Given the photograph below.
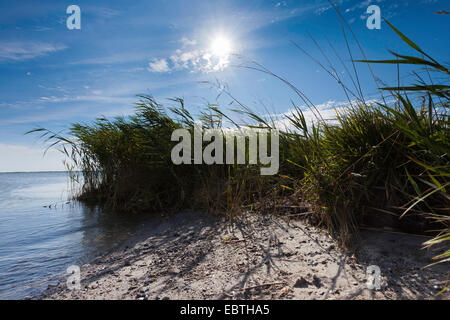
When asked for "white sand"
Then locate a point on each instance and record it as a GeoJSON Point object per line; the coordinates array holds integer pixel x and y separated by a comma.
{"type": "Point", "coordinates": [193, 256]}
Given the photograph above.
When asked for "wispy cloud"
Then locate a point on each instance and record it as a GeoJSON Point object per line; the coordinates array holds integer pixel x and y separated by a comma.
{"type": "Point", "coordinates": [187, 42]}
{"type": "Point", "coordinates": [362, 5]}
{"type": "Point", "coordinates": [327, 110]}
{"type": "Point", "coordinates": [281, 4]}
{"type": "Point", "coordinates": [96, 97]}
{"type": "Point", "coordinates": [117, 58]}
{"type": "Point", "coordinates": [42, 28]}
{"type": "Point", "coordinates": [104, 12]}
{"type": "Point", "coordinates": [104, 106]}
{"type": "Point", "coordinates": [24, 50]}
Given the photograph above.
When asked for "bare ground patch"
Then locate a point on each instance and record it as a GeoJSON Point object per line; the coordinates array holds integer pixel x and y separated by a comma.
{"type": "Point", "coordinates": [195, 256]}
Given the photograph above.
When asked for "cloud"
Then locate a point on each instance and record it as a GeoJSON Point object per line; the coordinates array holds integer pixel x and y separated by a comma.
{"type": "Point", "coordinates": [104, 12]}
{"type": "Point", "coordinates": [24, 50]}
{"type": "Point", "coordinates": [327, 110]}
{"type": "Point", "coordinates": [86, 98]}
{"type": "Point", "coordinates": [42, 28]}
{"type": "Point", "coordinates": [56, 88]}
{"type": "Point", "coordinates": [322, 10]}
{"type": "Point", "coordinates": [194, 60]}
{"type": "Point", "coordinates": [158, 65]}
{"type": "Point", "coordinates": [281, 3]}
{"type": "Point", "coordinates": [41, 109]}
{"type": "Point", "coordinates": [362, 5]}
{"type": "Point", "coordinates": [103, 107]}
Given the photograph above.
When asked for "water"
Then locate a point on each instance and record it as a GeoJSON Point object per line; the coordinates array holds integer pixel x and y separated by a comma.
{"type": "Point", "coordinates": [38, 244]}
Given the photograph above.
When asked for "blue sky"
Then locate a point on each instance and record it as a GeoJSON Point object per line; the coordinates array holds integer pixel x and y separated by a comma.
{"type": "Point", "coordinates": [51, 76]}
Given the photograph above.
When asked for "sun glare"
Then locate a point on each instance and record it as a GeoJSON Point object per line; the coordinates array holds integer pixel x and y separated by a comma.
{"type": "Point", "coordinates": [221, 46]}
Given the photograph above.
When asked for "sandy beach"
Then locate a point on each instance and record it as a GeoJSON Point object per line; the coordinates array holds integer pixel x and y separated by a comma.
{"type": "Point", "coordinates": [195, 256]}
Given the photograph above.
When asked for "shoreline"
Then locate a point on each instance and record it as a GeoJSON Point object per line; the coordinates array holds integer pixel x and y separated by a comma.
{"type": "Point", "coordinates": [196, 256]}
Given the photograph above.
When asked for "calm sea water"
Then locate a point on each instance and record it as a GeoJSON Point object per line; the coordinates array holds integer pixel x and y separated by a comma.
{"type": "Point", "coordinates": [38, 243]}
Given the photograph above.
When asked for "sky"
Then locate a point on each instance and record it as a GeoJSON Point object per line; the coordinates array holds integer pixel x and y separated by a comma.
{"type": "Point", "coordinates": [52, 76]}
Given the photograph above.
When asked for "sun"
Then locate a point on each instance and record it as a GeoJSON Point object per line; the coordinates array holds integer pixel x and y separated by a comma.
{"type": "Point", "coordinates": [221, 46]}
